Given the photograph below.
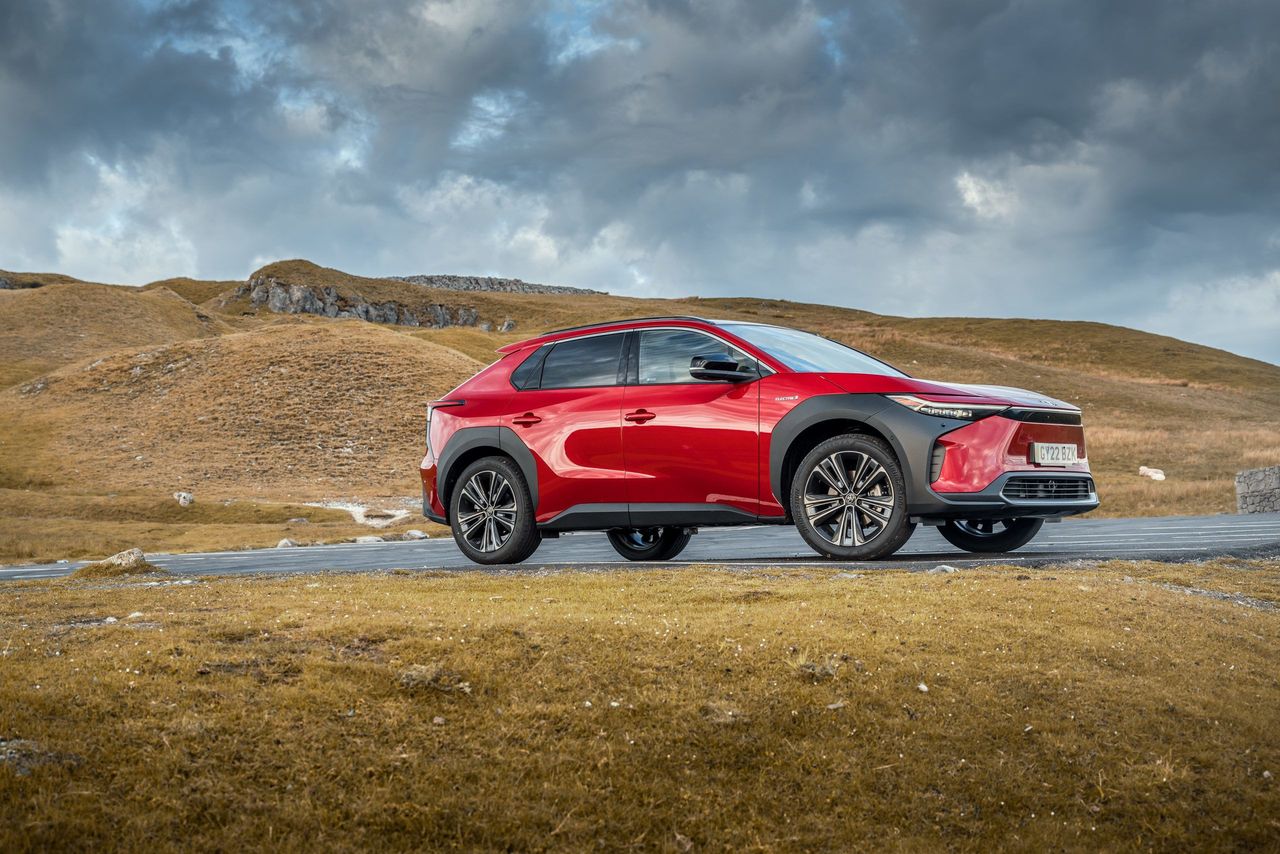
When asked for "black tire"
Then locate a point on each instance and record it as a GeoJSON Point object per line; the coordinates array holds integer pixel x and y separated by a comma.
{"type": "Point", "coordinates": [847, 525]}
{"type": "Point", "coordinates": [988, 535]}
{"type": "Point", "coordinates": [491, 513]}
{"type": "Point", "coordinates": [649, 543]}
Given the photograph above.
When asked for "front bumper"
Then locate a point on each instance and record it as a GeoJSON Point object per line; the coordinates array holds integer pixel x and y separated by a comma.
{"type": "Point", "coordinates": [1014, 495]}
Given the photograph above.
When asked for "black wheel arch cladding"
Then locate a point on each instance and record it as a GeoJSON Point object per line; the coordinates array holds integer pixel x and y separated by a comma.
{"type": "Point", "coordinates": [910, 435]}
{"type": "Point", "coordinates": [463, 446]}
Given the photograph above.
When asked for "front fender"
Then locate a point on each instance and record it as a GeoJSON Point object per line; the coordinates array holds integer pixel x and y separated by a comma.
{"type": "Point", "coordinates": [910, 435]}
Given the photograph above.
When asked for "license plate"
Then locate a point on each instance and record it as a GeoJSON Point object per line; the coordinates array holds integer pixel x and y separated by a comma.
{"type": "Point", "coordinates": [1043, 454]}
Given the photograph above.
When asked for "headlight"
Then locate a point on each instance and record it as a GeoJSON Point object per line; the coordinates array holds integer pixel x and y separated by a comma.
{"type": "Point", "coordinates": [937, 409]}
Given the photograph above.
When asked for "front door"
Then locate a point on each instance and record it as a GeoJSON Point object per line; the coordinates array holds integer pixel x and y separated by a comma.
{"type": "Point", "coordinates": [687, 441]}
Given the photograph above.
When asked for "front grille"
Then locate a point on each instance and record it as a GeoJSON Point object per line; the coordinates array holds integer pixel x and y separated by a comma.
{"type": "Point", "coordinates": [1048, 488]}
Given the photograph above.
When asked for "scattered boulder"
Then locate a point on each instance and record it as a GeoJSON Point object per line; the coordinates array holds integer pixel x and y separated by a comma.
{"type": "Point", "coordinates": [184, 499]}
{"type": "Point", "coordinates": [369, 540]}
{"type": "Point", "coordinates": [942, 569]}
{"type": "Point", "coordinates": [128, 562]}
{"type": "Point", "coordinates": [1154, 474]}
{"type": "Point", "coordinates": [415, 534]}
{"type": "Point", "coordinates": [286, 543]}
{"type": "Point", "coordinates": [507, 325]}
{"type": "Point", "coordinates": [299, 520]}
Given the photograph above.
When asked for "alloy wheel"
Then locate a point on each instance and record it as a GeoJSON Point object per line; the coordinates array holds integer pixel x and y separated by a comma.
{"type": "Point", "coordinates": [487, 508]}
{"type": "Point", "coordinates": [848, 498]}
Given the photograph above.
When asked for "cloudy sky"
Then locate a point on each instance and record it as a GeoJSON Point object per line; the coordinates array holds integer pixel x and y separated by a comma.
{"type": "Point", "coordinates": [1117, 161]}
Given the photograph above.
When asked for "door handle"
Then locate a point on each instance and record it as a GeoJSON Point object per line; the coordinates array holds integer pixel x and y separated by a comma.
{"type": "Point", "coordinates": [639, 416]}
{"type": "Point", "coordinates": [526, 420]}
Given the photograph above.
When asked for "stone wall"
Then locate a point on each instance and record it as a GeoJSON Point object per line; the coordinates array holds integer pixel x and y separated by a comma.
{"type": "Point", "coordinates": [489, 283]}
{"type": "Point", "coordinates": [1258, 490]}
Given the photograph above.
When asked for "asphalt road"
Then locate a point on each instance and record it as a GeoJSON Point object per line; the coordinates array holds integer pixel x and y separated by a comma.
{"type": "Point", "coordinates": [1168, 538]}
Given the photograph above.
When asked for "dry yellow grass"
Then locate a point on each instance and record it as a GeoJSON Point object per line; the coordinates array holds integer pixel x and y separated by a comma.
{"type": "Point", "coordinates": [61, 324]}
{"type": "Point", "coordinates": [1094, 708]}
{"type": "Point", "coordinates": [45, 526]}
{"type": "Point", "coordinates": [293, 411]}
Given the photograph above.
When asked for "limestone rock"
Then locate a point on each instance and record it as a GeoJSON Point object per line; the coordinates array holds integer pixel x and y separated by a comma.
{"type": "Point", "coordinates": [184, 499]}
{"type": "Point", "coordinates": [127, 559]}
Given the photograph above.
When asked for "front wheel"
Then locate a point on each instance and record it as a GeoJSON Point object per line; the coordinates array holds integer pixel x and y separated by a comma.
{"type": "Point", "coordinates": [491, 512]}
{"type": "Point", "coordinates": [649, 543]}
{"type": "Point", "coordinates": [849, 499]}
{"type": "Point", "coordinates": [990, 535]}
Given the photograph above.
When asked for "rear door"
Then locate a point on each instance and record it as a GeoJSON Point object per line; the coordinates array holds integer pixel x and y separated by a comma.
{"type": "Point", "coordinates": [570, 418]}
{"type": "Point", "coordinates": [688, 441]}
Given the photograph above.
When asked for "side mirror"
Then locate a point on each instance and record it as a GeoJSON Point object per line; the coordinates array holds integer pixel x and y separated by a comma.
{"type": "Point", "coordinates": [718, 366]}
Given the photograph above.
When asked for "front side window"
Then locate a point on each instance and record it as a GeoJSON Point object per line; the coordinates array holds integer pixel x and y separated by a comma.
{"type": "Point", "coordinates": [809, 353]}
{"type": "Point", "coordinates": [665, 355]}
{"type": "Point", "coordinates": [583, 362]}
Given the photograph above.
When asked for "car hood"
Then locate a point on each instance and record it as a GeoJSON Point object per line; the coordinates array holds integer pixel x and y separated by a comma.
{"type": "Point", "coordinates": [862, 383]}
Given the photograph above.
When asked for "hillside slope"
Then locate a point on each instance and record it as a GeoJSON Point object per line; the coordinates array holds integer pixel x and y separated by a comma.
{"type": "Point", "coordinates": [63, 323]}
{"type": "Point", "coordinates": [300, 410]}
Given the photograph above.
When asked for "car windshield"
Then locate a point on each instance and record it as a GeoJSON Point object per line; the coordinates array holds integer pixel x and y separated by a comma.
{"type": "Point", "coordinates": [804, 351]}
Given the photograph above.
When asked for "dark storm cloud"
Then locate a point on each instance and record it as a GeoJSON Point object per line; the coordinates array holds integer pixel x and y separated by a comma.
{"type": "Point", "coordinates": [1116, 161]}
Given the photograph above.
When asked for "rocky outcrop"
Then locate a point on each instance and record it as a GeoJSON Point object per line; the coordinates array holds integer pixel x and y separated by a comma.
{"type": "Point", "coordinates": [285, 298]}
{"type": "Point", "coordinates": [1258, 490]}
{"type": "Point", "coordinates": [5, 284]}
{"type": "Point", "coordinates": [488, 283]}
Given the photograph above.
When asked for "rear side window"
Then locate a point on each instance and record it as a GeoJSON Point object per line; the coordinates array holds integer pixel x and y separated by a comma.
{"type": "Point", "coordinates": [665, 355]}
{"type": "Point", "coordinates": [583, 362]}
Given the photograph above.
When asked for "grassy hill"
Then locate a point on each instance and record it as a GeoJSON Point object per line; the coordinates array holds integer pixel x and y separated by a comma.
{"type": "Point", "coordinates": [68, 322]}
{"type": "Point", "coordinates": [184, 384]}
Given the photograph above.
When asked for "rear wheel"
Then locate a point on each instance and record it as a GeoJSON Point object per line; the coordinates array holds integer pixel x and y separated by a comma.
{"type": "Point", "coordinates": [990, 535]}
{"type": "Point", "coordinates": [491, 512]}
{"type": "Point", "coordinates": [849, 500]}
{"type": "Point", "coordinates": [649, 543]}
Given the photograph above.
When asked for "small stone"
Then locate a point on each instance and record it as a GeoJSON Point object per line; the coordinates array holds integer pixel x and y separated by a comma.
{"type": "Point", "coordinates": [438, 721]}
{"type": "Point", "coordinates": [368, 540]}
{"type": "Point", "coordinates": [135, 615]}
{"type": "Point", "coordinates": [109, 620]}
{"type": "Point", "coordinates": [298, 520]}
{"type": "Point", "coordinates": [586, 704]}
{"type": "Point", "coordinates": [286, 543]}
{"type": "Point", "coordinates": [922, 688]}
{"type": "Point", "coordinates": [838, 704]}
{"type": "Point", "coordinates": [415, 534]}
{"type": "Point", "coordinates": [1266, 775]}
{"type": "Point", "coordinates": [941, 569]}
{"type": "Point", "coordinates": [184, 499]}
{"type": "Point", "coordinates": [1154, 474]}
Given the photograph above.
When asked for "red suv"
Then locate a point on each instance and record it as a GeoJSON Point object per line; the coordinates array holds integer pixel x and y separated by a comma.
{"type": "Point", "coordinates": [650, 428]}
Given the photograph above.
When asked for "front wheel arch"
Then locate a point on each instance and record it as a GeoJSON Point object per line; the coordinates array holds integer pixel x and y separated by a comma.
{"type": "Point", "coordinates": [811, 437]}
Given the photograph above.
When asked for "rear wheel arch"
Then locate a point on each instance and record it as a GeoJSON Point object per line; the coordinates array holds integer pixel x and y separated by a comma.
{"type": "Point", "coordinates": [472, 443]}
